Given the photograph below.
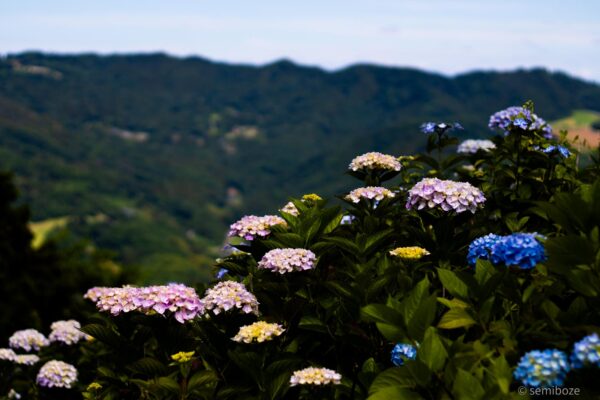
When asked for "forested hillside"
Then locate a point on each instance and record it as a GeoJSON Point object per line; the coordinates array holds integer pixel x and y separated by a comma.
{"type": "Point", "coordinates": [153, 156]}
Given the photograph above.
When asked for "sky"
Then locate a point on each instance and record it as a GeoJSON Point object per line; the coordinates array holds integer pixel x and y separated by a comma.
{"type": "Point", "coordinates": [446, 36]}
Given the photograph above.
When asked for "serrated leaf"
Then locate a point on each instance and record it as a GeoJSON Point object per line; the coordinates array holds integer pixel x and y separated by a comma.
{"type": "Point", "coordinates": [202, 378]}
{"type": "Point", "coordinates": [148, 366]}
{"type": "Point", "coordinates": [168, 384]}
{"type": "Point", "coordinates": [432, 351]}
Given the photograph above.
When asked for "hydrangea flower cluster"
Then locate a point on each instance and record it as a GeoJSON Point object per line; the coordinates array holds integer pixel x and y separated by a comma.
{"type": "Point", "coordinates": [250, 227]}
{"type": "Point", "coordinates": [519, 117]}
{"type": "Point", "coordinates": [369, 193]}
{"type": "Point", "coordinates": [481, 248]}
{"type": "Point", "coordinates": [586, 352]}
{"type": "Point", "coordinates": [7, 355]}
{"type": "Point", "coordinates": [315, 376]}
{"type": "Point", "coordinates": [446, 195]}
{"type": "Point", "coordinates": [57, 374]}
{"type": "Point", "coordinates": [227, 295]}
{"type": "Point", "coordinates": [347, 219]}
{"type": "Point", "coordinates": [183, 356]}
{"type": "Point", "coordinates": [288, 260]}
{"type": "Point", "coordinates": [13, 394]}
{"type": "Point", "coordinates": [518, 249]}
{"type": "Point", "coordinates": [28, 339]}
{"type": "Point", "coordinates": [67, 332]}
{"type": "Point", "coordinates": [440, 127]}
{"type": "Point", "coordinates": [259, 332]}
{"type": "Point", "coordinates": [311, 197]}
{"type": "Point", "coordinates": [290, 208]}
{"type": "Point", "coordinates": [472, 146]}
{"type": "Point", "coordinates": [26, 359]}
{"type": "Point", "coordinates": [178, 299]}
{"type": "Point", "coordinates": [411, 253]}
{"type": "Point", "coordinates": [402, 352]}
{"type": "Point", "coordinates": [375, 161]}
{"type": "Point", "coordinates": [561, 150]}
{"type": "Point", "coordinates": [542, 368]}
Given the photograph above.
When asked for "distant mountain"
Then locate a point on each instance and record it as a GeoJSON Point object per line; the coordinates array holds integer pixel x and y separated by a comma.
{"type": "Point", "coordinates": [152, 156]}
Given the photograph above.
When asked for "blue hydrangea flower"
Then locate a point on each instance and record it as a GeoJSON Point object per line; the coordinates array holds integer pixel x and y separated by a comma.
{"type": "Point", "coordinates": [439, 127]}
{"type": "Point", "coordinates": [586, 352]}
{"type": "Point", "coordinates": [402, 352]}
{"type": "Point", "coordinates": [221, 273]}
{"type": "Point", "coordinates": [519, 117]}
{"type": "Point", "coordinates": [519, 249]}
{"type": "Point", "coordinates": [482, 248]}
{"type": "Point", "coordinates": [542, 368]}
{"type": "Point", "coordinates": [562, 150]}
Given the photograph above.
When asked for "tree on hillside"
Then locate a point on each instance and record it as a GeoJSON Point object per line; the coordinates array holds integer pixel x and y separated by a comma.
{"type": "Point", "coordinates": [41, 285]}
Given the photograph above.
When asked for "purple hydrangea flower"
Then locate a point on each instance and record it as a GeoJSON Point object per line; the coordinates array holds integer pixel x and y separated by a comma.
{"type": "Point", "coordinates": [288, 260]}
{"type": "Point", "coordinates": [434, 193]}
{"type": "Point", "coordinates": [250, 227]}
{"type": "Point", "coordinates": [28, 339]}
{"type": "Point", "coordinates": [57, 374]}
{"type": "Point", "coordinates": [227, 295]}
{"type": "Point", "coordinates": [180, 300]}
{"type": "Point", "coordinates": [66, 332]}
{"type": "Point", "coordinates": [522, 118]}
{"type": "Point", "coordinates": [376, 193]}
{"type": "Point", "coordinates": [472, 146]}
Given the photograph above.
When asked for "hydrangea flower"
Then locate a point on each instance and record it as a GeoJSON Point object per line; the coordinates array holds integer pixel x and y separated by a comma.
{"type": "Point", "coordinates": [250, 227]}
{"type": "Point", "coordinates": [519, 117]}
{"type": "Point", "coordinates": [434, 193]}
{"type": "Point", "coordinates": [288, 260]}
{"type": "Point", "coordinates": [586, 352]}
{"type": "Point", "coordinates": [347, 219]}
{"type": "Point", "coordinates": [482, 248]}
{"type": "Point", "coordinates": [542, 368]}
{"type": "Point", "coordinates": [26, 359]}
{"type": "Point", "coordinates": [227, 295]}
{"type": "Point", "coordinates": [561, 150]}
{"type": "Point", "coordinates": [13, 394]}
{"type": "Point", "coordinates": [259, 332]}
{"type": "Point", "coordinates": [409, 253]}
{"type": "Point", "coordinates": [67, 332]}
{"type": "Point", "coordinates": [7, 355]}
{"type": "Point", "coordinates": [369, 193]}
{"type": "Point", "coordinates": [57, 374]}
{"type": "Point", "coordinates": [375, 161]}
{"type": "Point", "coordinates": [183, 356]}
{"type": "Point", "coordinates": [315, 376]}
{"type": "Point", "coordinates": [28, 339]}
{"type": "Point", "coordinates": [221, 273]}
{"type": "Point", "coordinates": [472, 146]}
{"type": "Point", "coordinates": [290, 208]}
{"type": "Point", "coordinates": [440, 127]}
{"type": "Point", "coordinates": [178, 299]}
{"type": "Point", "coordinates": [519, 249]}
{"type": "Point", "coordinates": [311, 197]}
{"type": "Point", "coordinates": [402, 352]}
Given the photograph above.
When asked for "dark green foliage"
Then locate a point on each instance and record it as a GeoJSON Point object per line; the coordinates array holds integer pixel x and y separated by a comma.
{"type": "Point", "coordinates": [43, 285]}
{"type": "Point", "coordinates": [164, 203]}
{"type": "Point", "coordinates": [470, 324]}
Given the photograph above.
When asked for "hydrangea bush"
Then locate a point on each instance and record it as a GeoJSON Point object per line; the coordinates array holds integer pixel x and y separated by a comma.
{"type": "Point", "coordinates": [391, 291]}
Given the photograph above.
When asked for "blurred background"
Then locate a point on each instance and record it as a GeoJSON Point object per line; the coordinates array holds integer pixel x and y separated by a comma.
{"type": "Point", "coordinates": [135, 132]}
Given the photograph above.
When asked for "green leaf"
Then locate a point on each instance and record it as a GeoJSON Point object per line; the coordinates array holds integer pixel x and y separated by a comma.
{"type": "Point", "coordinates": [467, 387]}
{"type": "Point", "coordinates": [395, 393]}
{"type": "Point", "coordinates": [456, 318]}
{"type": "Point", "coordinates": [432, 351]}
{"type": "Point", "coordinates": [102, 334]}
{"type": "Point", "coordinates": [453, 283]}
{"type": "Point", "coordinates": [311, 323]}
{"type": "Point", "coordinates": [168, 384]}
{"type": "Point", "coordinates": [397, 377]}
{"type": "Point", "coordinates": [334, 223]}
{"type": "Point", "coordinates": [278, 386]}
{"type": "Point", "coordinates": [376, 239]}
{"type": "Point", "coordinates": [381, 313]}
{"type": "Point", "coordinates": [409, 306]}
{"type": "Point", "coordinates": [202, 378]}
{"type": "Point", "coordinates": [422, 318]}
{"type": "Point", "coordinates": [148, 366]}
{"type": "Point", "coordinates": [345, 244]}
